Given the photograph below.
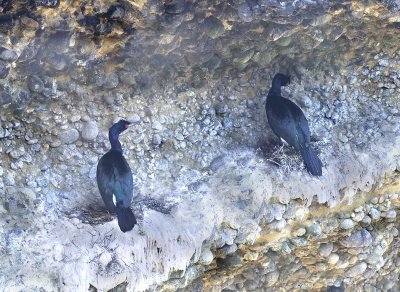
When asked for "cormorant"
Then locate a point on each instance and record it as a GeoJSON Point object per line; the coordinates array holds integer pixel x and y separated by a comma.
{"type": "Point", "coordinates": [288, 122]}
{"type": "Point", "coordinates": [114, 179]}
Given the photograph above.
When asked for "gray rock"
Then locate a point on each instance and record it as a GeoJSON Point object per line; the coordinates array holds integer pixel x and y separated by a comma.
{"type": "Point", "coordinates": [299, 232]}
{"type": "Point", "coordinates": [69, 136]}
{"type": "Point", "coordinates": [111, 81]}
{"type": "Point", "coordinates": [58, 62]}
{"type": "Point", "coordinates": [325, 249]}
{"type": "Point", "coordinates": [361, 238]}
{"type": "Point", "coordinates": [5, 98]}
{"type": "Point", "coordinates": [221, 108]}
{"type": "Point", "coordinates": [245, 12]}
{"type": "Point", "coordinates": [4, 69]}
{"type": "Point", "coordinates": [35, 84]}
{"type": "Point", "coordinates": [156, 125]}
{"type": "Point", "coordinates": [227, 123]}
{"type": "Point", "coordinates": [333, 258]}
{"type": "Point", "coordinates": [206, 256]}
{"type": "Point", "coordinates": [375, 214]}
{"type": "Point", "coordinates": [134, 119]}
{"type": "Point", "coordinates": [90, 131]}
{"type": "Point", "coordinates": [347, 224]}
{"type": "Point", "coordinates": [357, 270]}
{"type": "Point", "coordinates": [17, 152]}
{"type": "Point", "coordinates": [391, 214]}
{"type": "Point", "coordinates": [156, 139]}
{"type": "Point", "coordinates": [228, 249]}
{"type": "Point", "coordinates": [217, 162]}
{"type": "Point", "coordinates": [8, 55]}
{"type": "Point", "coordinates": [213, 27]}
{"type": "Point", "coordinates": [47, 3]}
{"type": "Point", "coordinates": [315, 229]}
{"type": "Point", "coordinates": [271, 278]}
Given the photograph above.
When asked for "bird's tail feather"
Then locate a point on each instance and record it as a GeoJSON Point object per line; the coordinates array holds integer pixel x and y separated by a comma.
{"type": "Point", "coordinates": [311, 160]}
{"type": "Point", "coordinates": [126, 219]}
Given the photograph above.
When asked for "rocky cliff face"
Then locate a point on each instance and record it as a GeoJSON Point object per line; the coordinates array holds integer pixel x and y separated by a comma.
{"type": "Point", "coordinates": [221, 205]}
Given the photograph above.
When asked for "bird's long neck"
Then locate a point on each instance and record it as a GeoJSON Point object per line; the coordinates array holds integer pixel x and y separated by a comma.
{"type": "Point", "coordinates": [114, 140]}
{"type": "Point", "coordinates": [275, 90]}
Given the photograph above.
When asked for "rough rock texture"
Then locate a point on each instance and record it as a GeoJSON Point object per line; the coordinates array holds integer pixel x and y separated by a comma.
{"type": "Point", "coordinates": [221, 205]}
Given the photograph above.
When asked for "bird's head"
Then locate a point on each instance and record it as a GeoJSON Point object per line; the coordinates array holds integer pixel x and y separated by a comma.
{"type": "Point", "coordinates": [120, 126]}
{"type": "Point", "coordinates": [282, 79]}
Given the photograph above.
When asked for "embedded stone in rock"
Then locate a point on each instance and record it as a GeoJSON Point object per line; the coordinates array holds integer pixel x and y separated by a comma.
{"type": "Point", "coordinates": [8, 55]}
{"type": "Point", "coordinates": [357, 270]}
{"type": "Point", "coordinates": [271, 278]}
{"type": "Point", "coordinates": [47, 3]}
{"type": "Point", "coordinates": [245, 12]}
{"type": "Point", "coordinates": [29, 22]}
{"type": "Point", "coordinates": [217, 162]}
{"type": "Point", "coordinates": [213, 27]}
{"type": "Point", "coordinates": [176, 7]}
{"type": "Point", "coordinates": [4, 69]}
{"type": "Point", "coordinates": [35, 84]}
{"type": "Point", "coordinates": [156, 139]}
{"type": "Point", "coordinates": [326, 249]}
{"type": "Point", "coordinates": [58, 62]}
{"type": "Point", "coordinates": [90, 131]}
{"type": "Point", "coordinates": [5, 98]}
{"type": "Point", "coordinates": [333, 258]}
{"type": "Point", "coordinates": [69, 136]}
{"type": "Point", "coordinates": [111, 81]}
{"type": "Point", "coordinates": [361, 238]}
{"type": "Point", "coordinates": [375, 214]}
{"type": "Point", "coordinates": [115, 12]}
{"type": "Point", "coordinates": [17, 152]}
{"type": "Point", "coordinates": [206, 257]}
{"type": "Point", "coordinates": [347, 224]}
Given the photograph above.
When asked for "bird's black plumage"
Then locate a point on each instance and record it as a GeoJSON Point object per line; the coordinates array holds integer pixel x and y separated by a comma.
{"type": "Point", "coordinates": [114, 178]}
{"type": "Point", "coordinates": [288, 122]}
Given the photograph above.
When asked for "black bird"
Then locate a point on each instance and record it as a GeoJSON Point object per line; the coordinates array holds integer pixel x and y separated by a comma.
{"type": "Point", "coordinates": [114, 179]}
{"type": "Point", "coordinates": [288, 122]}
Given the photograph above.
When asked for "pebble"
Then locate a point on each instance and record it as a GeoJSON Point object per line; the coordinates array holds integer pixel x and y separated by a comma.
{"type": "Point", "coordinates": [391, 214]}
{"type": "Point", "coordinates": [156, 126]}
{"type": "Point", "coordinates": [347, 224]}
{"type": "Point", "coordinates": [4, 70]}
{"type": "Point", "coordinates": [333, 258]}
{"type": "Point", "coordinates": [245, 12]}
{"type": "Point", "coordinates": [134, 119]}
{"type": "Point", "coordinates": [271, 278]}
{"type": "Point", "coordinates": [17, 152]}
{"type": "Point", "coordinates": [29, 22]}
{"type": "Point", "coordinates": [156, 140]}
{"type": "Point", "coordinates": [68, 137]}
{"type": "Point", "coordinates": [374, 214]}
{"type": "Point", "coordinates": [299, 232]}
{"type": "Point", "coordinates": [217, 162]}
{"type": "Point", "coordinates": [325, 249]}
{"type": "Point", "coordinates": [361, 238]}
{"type": "Point", "coordinates": [206, 256]}
{"type": "Point", "coordinates": [228, 249]}
{"type": "Point", "coordinates": [357, 270]}
{"type": "Point", "coordinates": [8, 55]}
{"type": "Point", "coordinates": [90, 131]}
{"type": "Point", "coordinates": [357, 217]}
{"type": "Point", "coordinates": [35, 84]}
{"type": "Point", "coordinates": [111, 81]}
{"type": "Point", "coordinates": [315, 229]}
